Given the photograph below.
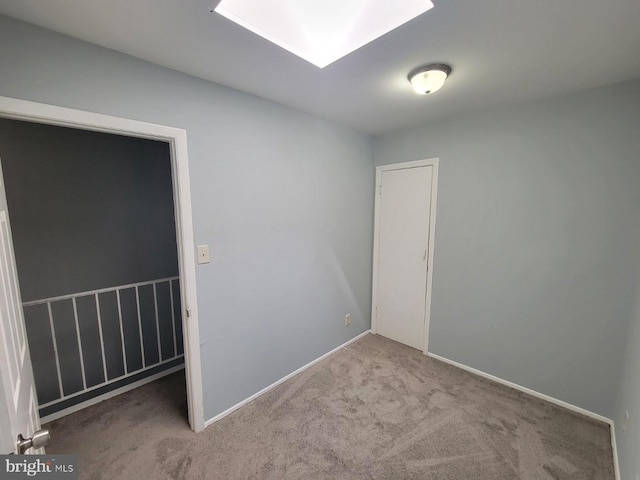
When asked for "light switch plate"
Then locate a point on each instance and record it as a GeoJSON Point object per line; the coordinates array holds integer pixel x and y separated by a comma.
{"type": "Point", "coordinates": [203, 254]}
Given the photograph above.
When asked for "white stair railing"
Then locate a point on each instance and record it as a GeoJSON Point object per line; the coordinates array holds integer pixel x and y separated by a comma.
{"type": "Point", "coordinates": [146, 364]}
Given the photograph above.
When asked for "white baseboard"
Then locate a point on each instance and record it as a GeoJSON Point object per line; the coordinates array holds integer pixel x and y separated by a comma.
{"type": "Point", "coordinates": [220, 416]}
{"type": "Point", "coordinates": [526, 390]}
{"type": "Point", "coordinates": [110, 394]}
{"type": "Point", "coordinates": [542, 396]}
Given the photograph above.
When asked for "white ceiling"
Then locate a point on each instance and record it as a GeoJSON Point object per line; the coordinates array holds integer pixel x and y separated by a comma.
{"type": "Point", "coordinates": [501, 51]}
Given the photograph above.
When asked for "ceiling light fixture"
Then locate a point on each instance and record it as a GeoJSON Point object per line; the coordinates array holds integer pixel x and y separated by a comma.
{"type": "Point", "coordinates": [321, 31]}
{"type": "Point", "coordinates": [429, 78]}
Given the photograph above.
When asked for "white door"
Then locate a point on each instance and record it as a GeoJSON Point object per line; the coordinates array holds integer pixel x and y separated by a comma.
{"type": "Point", "coordinates": [18, 408]}
{"type": "Point", "coordinates": [403, 222]}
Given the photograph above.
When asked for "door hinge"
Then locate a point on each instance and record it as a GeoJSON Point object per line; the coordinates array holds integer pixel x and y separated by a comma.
{"type": "Point", "coordinates": [380, 189]}
{"type": "Point", "coordinates": [188, 311]}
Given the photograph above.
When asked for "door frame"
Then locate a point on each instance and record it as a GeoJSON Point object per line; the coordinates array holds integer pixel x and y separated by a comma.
{"type": "Point", "coordinates": [430, 162]}
{"type": "Point", "coordinates": [177, 139]}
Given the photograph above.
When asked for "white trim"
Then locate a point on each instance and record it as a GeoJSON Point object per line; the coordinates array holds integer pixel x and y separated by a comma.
{"type": "Point", "coordinates": [108, 395]}
{"type": "Point", "coordinates": [430, 162]}
{"type": "Point", "coordinates": [177, 139]}
{"type": "Point", "coordinates": [533, 393]}
{"type": "Point", "coordinates": [614, 447]}
{"type": "Point", "coordinates": [220, 416]}
{"type": "Point", "coordinates": [376, 229]}
{"type": "Point", "coordinates": [187, 280]}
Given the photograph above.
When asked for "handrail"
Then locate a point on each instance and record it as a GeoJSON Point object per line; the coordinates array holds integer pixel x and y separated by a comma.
{"type": "Point", "coordinates": [94, 292]}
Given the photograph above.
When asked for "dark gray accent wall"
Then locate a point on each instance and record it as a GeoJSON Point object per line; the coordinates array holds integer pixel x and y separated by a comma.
{"type": "Point", "coordinates": [284, 199]}
{"type": "Point", "coordinates": [88, 210]}
{"type": "Point", "coordinates": [535, 275]}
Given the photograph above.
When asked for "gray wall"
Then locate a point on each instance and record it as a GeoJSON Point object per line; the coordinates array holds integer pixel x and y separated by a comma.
{"type": "Point", "coordinates": [628, 393]}
{"type": "Point", "coordinates": [536, 229]}
{"type": "Point", "coordinates": [88, 210]}
{"type": "Point", "coordinates": [284, 199]}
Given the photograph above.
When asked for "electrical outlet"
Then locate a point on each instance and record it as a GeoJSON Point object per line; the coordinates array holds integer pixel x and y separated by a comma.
{"type": "Point", "coordinates": [347, 320]}
{"type": "Point", "coordinates": [625, 423]}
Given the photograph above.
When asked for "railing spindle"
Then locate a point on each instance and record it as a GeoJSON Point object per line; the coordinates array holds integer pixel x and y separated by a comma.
{"type": "Point", "coordinates": [144, 360]}
{"type": "Point", "coordinates": [124, 355]}
{"type": "Point", "coordinates": [155, 302]}
{"type": "Point", "coordinates": [173, 319]}
{"type": "Point", "coordinates": [55, 349]}
{"type": "Point", "coordinates": [104, 358]}
{"type": "Point", "coordinates": [80, 351]}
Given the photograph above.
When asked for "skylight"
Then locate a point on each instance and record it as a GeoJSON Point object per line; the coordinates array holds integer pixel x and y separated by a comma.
{"type": "Point", "coordinates": [321, 31]}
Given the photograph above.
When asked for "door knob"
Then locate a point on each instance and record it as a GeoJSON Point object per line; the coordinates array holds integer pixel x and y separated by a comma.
{"type": "Point", "coordinates": [38, 440]}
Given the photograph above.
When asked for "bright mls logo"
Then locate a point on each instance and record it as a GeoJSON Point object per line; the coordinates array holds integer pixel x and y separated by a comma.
{"type": "Point", "coordinates": [53, 467]}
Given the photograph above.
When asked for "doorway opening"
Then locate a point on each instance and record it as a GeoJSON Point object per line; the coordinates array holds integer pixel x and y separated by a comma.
{"type": "Point", "coordinates": [98, 325]}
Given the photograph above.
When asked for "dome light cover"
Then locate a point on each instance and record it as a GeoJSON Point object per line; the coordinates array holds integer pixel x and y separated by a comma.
{"type": "Point", "coordinates": [429, 78]}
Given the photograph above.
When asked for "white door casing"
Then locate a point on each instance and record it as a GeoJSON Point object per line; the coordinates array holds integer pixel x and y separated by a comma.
{"type": "Point", "coordinates": [20, 413]}
{"type": "Point", "coordinates": [177, 139]}
{"type": "Point", "coordinates": [403, 251]}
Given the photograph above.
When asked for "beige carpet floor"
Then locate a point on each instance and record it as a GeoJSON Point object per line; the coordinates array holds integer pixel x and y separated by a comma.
{"type": "Point", "coordinates": [373, 410]}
